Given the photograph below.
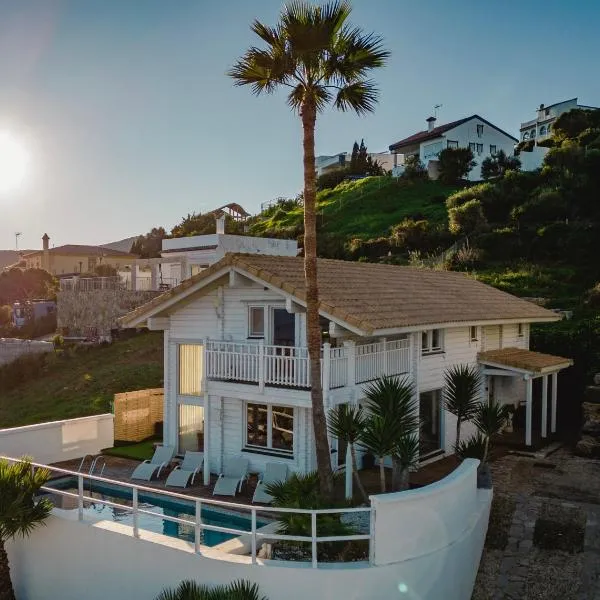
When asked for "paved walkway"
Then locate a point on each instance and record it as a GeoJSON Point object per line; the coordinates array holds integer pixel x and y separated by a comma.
{"type": "Point", "coordinates": [546, 545]}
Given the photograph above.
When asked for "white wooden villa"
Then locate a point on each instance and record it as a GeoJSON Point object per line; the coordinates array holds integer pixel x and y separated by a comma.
{"type": "Point", "coordinates": [236, 366]}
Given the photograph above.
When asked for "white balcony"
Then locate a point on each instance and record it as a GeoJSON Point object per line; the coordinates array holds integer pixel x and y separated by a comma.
{"type": "Point", "coordinates": [285, 366]}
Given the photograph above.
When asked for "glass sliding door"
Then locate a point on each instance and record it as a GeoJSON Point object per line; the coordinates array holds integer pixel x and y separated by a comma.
{"type": "Point", "coordinates": [430, 407]}
{"type": "Point", "coordinates": [190, 428]}
{"type": "Point", "coordinates": [191, 369]}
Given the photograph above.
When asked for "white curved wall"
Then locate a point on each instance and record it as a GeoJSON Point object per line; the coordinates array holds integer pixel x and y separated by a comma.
{"type": "Point", "coordinates": [428, 546]}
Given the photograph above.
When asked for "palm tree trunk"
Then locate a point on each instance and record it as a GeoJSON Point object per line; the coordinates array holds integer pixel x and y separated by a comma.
{"type": "Point", "coordinates": [355, 474]}
{"type": "Point", "coordinates": [404, 479]}
{"type": "Point", "coordinates": [382, 474]}
{"type": "Point", "coordinates": [313, 329]}
{"type": "Point", "coordinates": [6, 588]}
{"type": "Point", "coordinates": [457, 434]}
{"type": "Point", "coordinates": [396, 473]}
{"type": "Point", "coordinates": [485, 450]}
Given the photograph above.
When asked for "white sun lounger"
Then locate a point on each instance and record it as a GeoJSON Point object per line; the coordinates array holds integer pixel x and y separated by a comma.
{"type": "Point", "coordinates": [235, 471]}
{"type": "Point", "coordinates": [189, 468]}
{"type": "Point", "coordinates": [162, 457]}
{"type": "Point", "coordinates": [274, 472]}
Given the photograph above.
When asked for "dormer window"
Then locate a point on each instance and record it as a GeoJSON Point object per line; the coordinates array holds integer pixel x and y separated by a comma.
{"type": "Point", "coordinates": [432, 341]}
{"type": "Point", "coordinates": [479, 130]}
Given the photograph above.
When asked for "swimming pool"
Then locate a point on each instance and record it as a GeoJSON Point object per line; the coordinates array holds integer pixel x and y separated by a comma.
{"type": "Point", "coordinates": [170, 507]}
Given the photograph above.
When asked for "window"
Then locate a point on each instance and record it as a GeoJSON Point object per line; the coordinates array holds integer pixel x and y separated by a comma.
{"type": "Point", "coordinates": [526, 136]}
{"type": "Point", "coordinates": [256, 321]}
{"type": "Point", "coordinates": [548, 129]}
{"type": "Point", "coordinates": [431, 341]}
{"type": "Point", "coordinates": [479, 130]}
{"type": "Point", "coordinates": [547, 112]}
{"type": "Point", "coordinates": [479, 148]}
{"type": "Point", "coordinates": [521, 330]}
{"type": "Point", "coordinates": [473, 333]}
{"type": "Point", "coordinates": [191, 428]}
{"type": "Point", "coordinates": [532, 134]}
{"type": "Point", "coordinates": [91, 263]}
{"type": "Point", "coordinates": [452, 144]}
{"type": "Point", "coordinates": [492, 148]}
{"type": "Point", "coordinates": [430, 413]}
{"type": "Point", "coordinates": [190, 369]}
{"type": "Point", "coordinates": [543, 130]}
{"type": "Point", "coordinates": [270, 428]}
{"type": "Point", "coordinates": [472, 146]}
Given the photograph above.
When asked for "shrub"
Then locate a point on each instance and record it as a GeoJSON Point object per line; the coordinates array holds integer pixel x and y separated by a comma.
{"type": "Point", "coordinates": [474, 192]}
{"type": "Point", "coordinates": [466, 259]}
{"type": "Point", "coordinates": [500, 244]}
{"type": "Point", "coordinates": [22, 369]}
{"type": "Point", "coordinates": [467, 218]}
{"type": "Point", "coordinates": [5, 315]}
{"type": "Point", "coordinates": [332, 179]}
{"type": "Point", "coordinates": [455, 164]}
{"type": "Point", "coordinates": [549, 205]}
{"type": "Point", "coordinates": [414, 169]}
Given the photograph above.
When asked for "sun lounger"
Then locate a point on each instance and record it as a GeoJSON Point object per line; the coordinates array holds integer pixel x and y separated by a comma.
{"type": "Point", "coordinates": [274, 472]}
{"type": "Point", "coordinates": [162, 457]}
{"type": "Point", "coordinates": [235, 471]}
{"type": "Point", "coordinates": [189, 468]}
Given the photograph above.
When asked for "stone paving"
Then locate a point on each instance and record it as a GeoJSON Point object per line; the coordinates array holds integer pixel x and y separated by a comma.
{"type": "Point", "coordinates": [562, 484]}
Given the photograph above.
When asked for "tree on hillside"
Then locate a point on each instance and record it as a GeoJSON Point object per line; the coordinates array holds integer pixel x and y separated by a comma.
{"type": "Point", "coordinates": [18, 285]}
{"type": "Point", "coordinates": [354, 166]}
{"type": "Point", "coordinates": [455, 164]}
{"type": "Point", "coordinates": [149, 245]}
{"type": "Point", "coordinates": [20, 510]}
{"type": "Point", "coordinates": [321, 58]}
{"type": "Point", "coordinates": [497, 164]}
{"type": "Point", "coordinates": [361, 163]}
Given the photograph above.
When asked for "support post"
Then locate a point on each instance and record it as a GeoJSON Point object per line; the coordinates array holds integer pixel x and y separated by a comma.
{"type": "Point", "coordinates": [528, 409]}
{"type": "Point", "coordinates": [545, 406]}
{"type": "Point", "coordinates": [261, 366]}
{"type": "Point", "coordinates": [326, 365]}
{"type": "Point", "coordinates": [80, 497]}
{"type": "Point", "coordinates": [134, 502]}
{"type": "Point", "coordinates": [198, 527]}
{"type": "Point", "coordinates": [348, 472]}
{"type": "Point", "coordinates": [207, 434]}
{"type": "Point", "coordinates": [313, 530]}
{"type": "Point", "coordinates": [134, 277]}
{"type": "Point", "coordinates": [350, 347]}
{"type": "Point", "coordinates": [253, 536]}
{"type": "Point", "coordinates": [154, 277]}
{"type": "Point", "coordinates": [554, 401]}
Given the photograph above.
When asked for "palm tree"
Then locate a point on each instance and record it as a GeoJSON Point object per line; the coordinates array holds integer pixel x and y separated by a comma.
{"type": "Point", "coordinates": [393, 417]}
{"type": "Point", "coordinates": [490, 420]}
{"type": "Point", "coordinates": [190, 590]}
{"type": "Point", "coordinates": [461, 395]}
{"type": "Point", "coordinates": [20, 510]}
{"type": "Point", "coordinates": [347, 423]}
{"type": "Point", "coordinates": [316, 53]}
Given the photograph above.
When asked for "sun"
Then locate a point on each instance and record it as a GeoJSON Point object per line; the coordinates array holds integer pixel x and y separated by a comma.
{"type": "Point", "coordinates": [14, 162]}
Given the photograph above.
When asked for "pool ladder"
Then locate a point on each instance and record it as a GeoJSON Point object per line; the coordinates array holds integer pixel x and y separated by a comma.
{"type": "Point", "coordinates": [95, 462]}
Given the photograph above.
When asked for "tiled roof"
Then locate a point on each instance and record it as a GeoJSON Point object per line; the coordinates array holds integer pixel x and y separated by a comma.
{"type": "Point", "coordinates": [82, 249]}
{"type": "Point", "coordinates": [423, 136]}
{"type": "Point", "coordinates": [525, 360]}
{"type": "Point", "coordinates": [367, 296]}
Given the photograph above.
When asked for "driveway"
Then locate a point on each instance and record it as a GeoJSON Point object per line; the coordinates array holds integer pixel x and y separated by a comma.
{"type": "Point", "coordinates": [543, 541]}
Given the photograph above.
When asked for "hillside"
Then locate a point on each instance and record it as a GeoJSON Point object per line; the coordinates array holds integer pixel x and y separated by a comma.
{"type": "Point", "coordinates": [81, 381]}
{"type": "Point", "coordinates": [10, 257]}
{"type": "Point", "coordinates": [363, 209]}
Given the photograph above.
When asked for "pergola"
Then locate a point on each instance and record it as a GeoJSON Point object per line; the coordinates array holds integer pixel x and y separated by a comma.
{"type": "Point", "coordinates": [529, 365]}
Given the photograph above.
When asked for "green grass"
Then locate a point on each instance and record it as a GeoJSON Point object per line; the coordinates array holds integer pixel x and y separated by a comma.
{"type": "Point", "coordinates": [366, 208]}
{"type": "Point", "coordinates": [83, 381]}
{"type": "Point", "coordinates": [141, 451]}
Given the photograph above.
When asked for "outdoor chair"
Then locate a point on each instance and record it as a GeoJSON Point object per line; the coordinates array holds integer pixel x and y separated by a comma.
{"type": "Point", "coordinates": [274, 472]}
{"type": "Point", "coordinates": [235, 471]}
{"type": "Point", "coordinates": [189, 468]}
{"type": "Point", "coordinates": [163, 455]}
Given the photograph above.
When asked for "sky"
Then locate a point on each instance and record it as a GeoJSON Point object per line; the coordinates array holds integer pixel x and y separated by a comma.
{"type": "Point", "coordinates": [130, 121]}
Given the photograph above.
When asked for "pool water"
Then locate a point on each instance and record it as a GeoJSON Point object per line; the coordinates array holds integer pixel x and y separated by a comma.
{"type": "Point", "coordinates": [170, 507]}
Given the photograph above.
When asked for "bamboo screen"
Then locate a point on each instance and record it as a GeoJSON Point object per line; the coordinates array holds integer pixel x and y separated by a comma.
{"type": "Point", "coordinates": [137, 413]}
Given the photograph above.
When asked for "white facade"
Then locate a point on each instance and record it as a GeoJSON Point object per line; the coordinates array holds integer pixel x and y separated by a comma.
{"type": "Point", "coordinates": [476, 133]}
{"type": "Point", "coordinates": [326, 164]}
{"type": "Point", "coordinates": [540, 129]}
{"type": "Point", "coordinates": [220, 374]}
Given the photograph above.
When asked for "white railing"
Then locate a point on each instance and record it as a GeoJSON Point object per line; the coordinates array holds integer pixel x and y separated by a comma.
{"type": "Point", "coordinates": [382, 358]}
{"type": "Point", "coordinates": [196, 522]}
{"type": "Point", "coordinates": [92, 284]}
{"type": "Point", "coordinates": [288, 366]}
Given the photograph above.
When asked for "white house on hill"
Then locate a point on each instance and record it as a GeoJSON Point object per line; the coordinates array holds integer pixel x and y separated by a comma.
{"type": "Point", "coordinates": [474, 132]}
{"type": "Point", "coordinates": [236, 373]}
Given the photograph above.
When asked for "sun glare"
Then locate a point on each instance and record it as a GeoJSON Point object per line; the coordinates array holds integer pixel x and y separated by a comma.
{"type": "Point", "coordinates": [14, 162]}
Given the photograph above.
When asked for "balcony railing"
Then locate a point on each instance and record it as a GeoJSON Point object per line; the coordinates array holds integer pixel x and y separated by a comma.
{"type": "Point", "coordinates": [287, 366]}
{"type": "Point", "coordinates": [92, 284]}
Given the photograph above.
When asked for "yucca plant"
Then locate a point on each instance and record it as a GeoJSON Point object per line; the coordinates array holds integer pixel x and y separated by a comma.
{"type": "Point", "coordinates": [392, 417]}
{"type": "Point", "coordinates": [190, 590]}
{"type": "Point", "coordinates": [21, 511]}
{"type": "Point", "coordinates": [490, 420]}
{"type": "Point", "coordinates": [321, 59]}
{"type": "Point", "coordinates": [461, 395]}
{"type": "Point", "coordinates": [347, 423]}
{"type": "Point", "coordinates": [474, 447]}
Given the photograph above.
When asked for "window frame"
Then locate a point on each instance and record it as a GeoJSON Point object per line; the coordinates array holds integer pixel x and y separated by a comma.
{"type": "Point", "coordinates": [479, 148]}
{"type": "Point", "coordinates": [520, 330]}
{"type": "Point", "coordinates": [473, 333]}
{"type": "Point", "coordinates": [427, 347]}
{"type": "Point", "coordinates": [525, 136]}
{"type": "Point", "coordinates": [251, 334]}
{"type": "Point", "coordinates": [200, 391]}
{"type": "Point", "coordinates": [472, 146]}
{"type": "Point", "coordinates": [452, 144]}
{"type": "Point", "coordinates": [479, 130]}
{"type": "Point", "coordinates": [268, 449]}
{"type": "Point", "coordinates": [439, 393]}
{"type": "Point", "coordinates": [495, 149]}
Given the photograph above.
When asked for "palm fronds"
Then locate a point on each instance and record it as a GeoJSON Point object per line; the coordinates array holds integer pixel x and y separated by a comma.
{"type": "Point", "coordinates": [190, 590]}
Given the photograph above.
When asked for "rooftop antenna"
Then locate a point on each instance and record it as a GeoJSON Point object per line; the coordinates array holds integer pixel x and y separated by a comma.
{"type": "Point", "coordinates": [436, 108]}
{"type": "Point", "coordinates": [17, 234]}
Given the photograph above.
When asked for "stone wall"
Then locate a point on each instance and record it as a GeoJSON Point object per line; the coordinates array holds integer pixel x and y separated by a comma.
{"type": "Point", "coordinates": [12, 348]}
{"type": "Point", "coordinates": [78, 310]}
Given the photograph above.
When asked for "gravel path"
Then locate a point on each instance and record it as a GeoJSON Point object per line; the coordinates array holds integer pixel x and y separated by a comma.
{"type": "Point", "coordinates": [544, 537]}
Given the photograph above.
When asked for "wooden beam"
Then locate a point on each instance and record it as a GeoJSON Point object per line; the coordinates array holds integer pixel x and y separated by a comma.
{"type": "Point", "coordinates": [158, 323]}
{"type": "Point", "coordinates": [501, 373]}
{"type": "Point", "coordinates": [293, 307]}
{"type": "Point", "coordinates": [237, 280]}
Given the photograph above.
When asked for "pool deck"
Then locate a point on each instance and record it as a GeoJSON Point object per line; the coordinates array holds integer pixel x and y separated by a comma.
{"type": "Point", "coordinates": [120, 469]}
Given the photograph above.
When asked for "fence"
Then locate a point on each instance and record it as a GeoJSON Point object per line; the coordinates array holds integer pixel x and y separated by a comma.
{"type": "Point", "coordinates": [12, 348]}
{"type": "Point", "coordinates": [137, 414]}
